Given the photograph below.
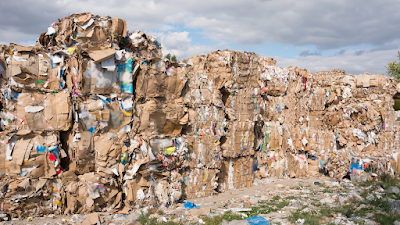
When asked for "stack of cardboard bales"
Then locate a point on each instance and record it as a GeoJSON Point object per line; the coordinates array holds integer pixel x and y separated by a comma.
{"type": "Point", "coordinates": [325, 120]}
{"type": "Point", "coordinates": [34, 111]}
{"type": "Point", "coordinates": [93, 119]}
{"type": "Point", "coordinates": [67, 107]}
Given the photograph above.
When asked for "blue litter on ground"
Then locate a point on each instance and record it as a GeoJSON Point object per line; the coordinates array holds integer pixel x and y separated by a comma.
{"type": "Point", "coordinates": [257, 220]}
{"type": "Point", "coordinates": [190, 205]}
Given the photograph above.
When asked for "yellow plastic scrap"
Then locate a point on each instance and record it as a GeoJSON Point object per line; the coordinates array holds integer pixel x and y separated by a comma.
{"type": "Point", "coordinates": [58, 202]}
{"type": "Point", "coordinates": [128, 113]}
{"type": "Point", "coordinates": [205, 176]}
{"type": "Point", "coordinates": [71, 50]}
{"type": "Point", "coordinates": [169, 150]}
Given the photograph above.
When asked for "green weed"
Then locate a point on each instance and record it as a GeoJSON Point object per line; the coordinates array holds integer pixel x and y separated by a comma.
{"type": "Point", "coordinates": [216, 220]}
{"type": "Point", "coordinates": [310, 218]}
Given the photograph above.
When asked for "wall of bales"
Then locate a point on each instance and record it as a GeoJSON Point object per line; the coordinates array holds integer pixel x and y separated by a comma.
{"type": "Point", "coordinates": [94, 120]}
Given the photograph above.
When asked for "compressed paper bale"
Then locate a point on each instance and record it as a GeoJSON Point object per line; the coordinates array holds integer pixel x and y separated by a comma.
{"type": "Point", "coordinates": [210, 122]}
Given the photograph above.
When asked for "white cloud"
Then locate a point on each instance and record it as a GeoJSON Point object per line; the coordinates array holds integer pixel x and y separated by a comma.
{"type": "Point", "coordinates": [13, 35]}
{"type": "Point", "coordinates": [321, 25]}
{"type": "Point", "coordinates": [180, 44]}
{"type": "Point", "coordinates": [324, 24]}
{"type": "Point", "coordinates": [369, 61]}
{"type": "Point", "coordinates": [165, 27]}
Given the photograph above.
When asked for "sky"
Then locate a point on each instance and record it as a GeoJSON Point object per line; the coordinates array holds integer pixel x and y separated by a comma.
{"type": "Point", "coordinates": [357, 36]}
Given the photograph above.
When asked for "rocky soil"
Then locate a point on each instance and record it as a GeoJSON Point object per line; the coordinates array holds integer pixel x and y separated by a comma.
{"type": "Point", "coordinates": [318, 200]}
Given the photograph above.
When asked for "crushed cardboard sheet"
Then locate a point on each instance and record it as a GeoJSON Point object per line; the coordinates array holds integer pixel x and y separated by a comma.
{"type": "Point", "coordinates": [94, 120]}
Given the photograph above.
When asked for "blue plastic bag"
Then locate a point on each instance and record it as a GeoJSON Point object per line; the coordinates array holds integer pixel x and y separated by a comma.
{"type": "Point", "coordinates": [190, 205]}
{"type": "Point", "coordinates": [257, 220]}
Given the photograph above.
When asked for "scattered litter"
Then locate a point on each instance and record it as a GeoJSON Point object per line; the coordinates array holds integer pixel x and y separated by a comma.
{"type": "Point", "coordinates": [190, 205]}
{"type": "Point", "coordinates": [257, 220]}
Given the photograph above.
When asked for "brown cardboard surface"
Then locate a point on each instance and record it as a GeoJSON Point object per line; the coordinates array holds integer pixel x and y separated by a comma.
{"type": "Point", "coordinates": [12, 70]}
{"type": "Point", "coordinates": [21, 146]}
{"type": "Point", "coordinates": [117, 25]}
{"type": "Point", "coordinates": [101, 55]}
{"type": "Point", "coordinates": [92, 219]}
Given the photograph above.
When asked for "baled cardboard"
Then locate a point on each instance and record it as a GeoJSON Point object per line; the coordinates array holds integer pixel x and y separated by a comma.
{"type": "Point", "coordinates": [101, 54]}
{"type": "Point", "coordinates": [118, 26]}
{"type": "Point", "coordinates": [12, 70]}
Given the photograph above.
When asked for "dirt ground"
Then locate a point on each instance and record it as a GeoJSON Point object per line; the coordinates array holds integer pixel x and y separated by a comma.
{"type": "Point", "coordinates": [317, 200]}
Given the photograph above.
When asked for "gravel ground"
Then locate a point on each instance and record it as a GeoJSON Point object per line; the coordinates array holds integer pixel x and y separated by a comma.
{"type": "Point", "coordinates": [318, 200]}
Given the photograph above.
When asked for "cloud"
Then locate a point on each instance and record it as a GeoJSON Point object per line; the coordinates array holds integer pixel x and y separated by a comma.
{"type": "Point", "coordinates": [308, 53]}
{"type": "Point", "coordinates": [324, 24]}
{"type": "Point", "coordinates": [388, 46]}
{"type": "Point", "coordinates": [332, 25]}
{"type": "Point", "coordinates": [370, 61]}
{"type": "Point", "coordinates": [165, 27]}
{"type": "Point", "coordinates": [340, 52]}
{"type": "Point", "coordinates": [13, 35]}
{"type": "Point", "coordinates": [33, 17]}
{"type": "Point", "coordinates": [359, 52]}
{"type": "Point", "coordinates": [180, 44]}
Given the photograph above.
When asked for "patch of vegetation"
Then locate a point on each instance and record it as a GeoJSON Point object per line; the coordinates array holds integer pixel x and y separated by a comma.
{"type": "Point", "coordinates": [384, 219]}
{"type": "Point", "coordinates": [144, 218]}
{"type": "Point", "coordinates": [317, 204]}
{"type": "Point", "coordinates": [275, 198]}
{"type": "Point", "coordinates": [228, 216]}
{"type": "Point", "coordinates": [171, 57]}
{"type": "Point", "coordinates": [310, 218]}
{"type": "Point", "coordinates": [214, 220]}
{"type": "Point", "coordinates": [377, 209]}
{"type": "Point", "coordinates": [326, 211]}
{"type": "Point", "coordinates": [264, 207]}
{"type": "Point", "coordinates": [388, 216]}
{"type": "Point", "coordinates": [386, 181]}
{"type": "Point", "coordinates": [326, 191]}
{"type": "Point", "coordinates": [291, 197]}
{"type": "Point", "coordinates": [393, 68]}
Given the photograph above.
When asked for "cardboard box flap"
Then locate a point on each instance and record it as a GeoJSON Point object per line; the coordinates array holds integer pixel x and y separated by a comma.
{"type": "Point", "coordinates": [101, 55]}
{"type": "Point", "coordinates": [21, 146]}
{"type": "Point", "coordinates": [92, 219]}
{"type": "Point", "coordinates": [32, 68]}
{"type": "Point", "coordinates": [83, 19]}
{"type": "Point", "coordinates": [12, 70]}
{"type": "Point", "coordinates": [23, 48]}
{"type": "Point", "coordinates": [103, 144]}
{"type": "Point", "coordinates": [117, 25]}
{"type": "Point", "coordinates": [35, 121]}
{"type": "Point", "coordinates": [3, 64]}
{"type": "Point", "coordinates": [12, 167]}
{"type": "Point", "coordinates": [85, 145]}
